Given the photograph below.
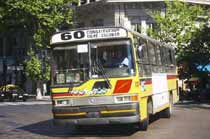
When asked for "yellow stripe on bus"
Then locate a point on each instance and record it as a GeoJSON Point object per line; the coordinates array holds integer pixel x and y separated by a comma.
{"type": "Point", "coordinates": [60, 90]}
{"type": "Point", "coordinates": [118, 111]}
{"type": "Point", "coordinates": [71, 114]}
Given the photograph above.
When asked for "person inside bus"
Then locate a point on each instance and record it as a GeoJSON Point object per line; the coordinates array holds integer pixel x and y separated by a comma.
{"type": "Point", "coordinates": [104, 59]}
{"type": "Point", "coordinates": [120, 60]}
{"type": "Point", "coordinates": [124, 63]}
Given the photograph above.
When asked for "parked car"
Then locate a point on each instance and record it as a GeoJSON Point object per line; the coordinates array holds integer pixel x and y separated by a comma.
{"type": "Point", "coordinates": [12, 93]}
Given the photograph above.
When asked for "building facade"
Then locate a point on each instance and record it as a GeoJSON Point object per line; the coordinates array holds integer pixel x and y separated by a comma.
{"type": "Point", "coordinates": [132, 14]}
{"type": "Point", "coordinates": [13, 53]}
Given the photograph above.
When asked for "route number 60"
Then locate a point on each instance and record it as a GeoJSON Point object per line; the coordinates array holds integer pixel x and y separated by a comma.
{"type": "Point", "coordinates": [74, 35]}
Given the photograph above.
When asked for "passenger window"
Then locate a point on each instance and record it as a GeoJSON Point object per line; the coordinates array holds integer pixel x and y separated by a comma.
{"type": "Point", "coordinates": [151, 51]}
{"type": "Point", "coordinates": [158, 56]}
{"type": "Point", "coordinates": [164, 56]}
{"type": "Point", "coordinates": [172, 56]}
{"type": "Point", "coordinates": [142, 54]}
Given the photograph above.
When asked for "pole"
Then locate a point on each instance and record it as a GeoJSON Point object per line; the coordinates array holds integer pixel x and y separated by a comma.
{"type": "Point", "coordinates": [4, 72]}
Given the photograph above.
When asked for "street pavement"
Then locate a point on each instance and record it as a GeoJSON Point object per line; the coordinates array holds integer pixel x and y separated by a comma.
{"type": "Point", "coordinates": [33, 120]}
{"type": "Point", "coordinates": [19, 103]}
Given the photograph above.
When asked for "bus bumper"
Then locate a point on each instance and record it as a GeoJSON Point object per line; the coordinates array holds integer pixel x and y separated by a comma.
{"type": "Point", "coordinates": [97, 115]}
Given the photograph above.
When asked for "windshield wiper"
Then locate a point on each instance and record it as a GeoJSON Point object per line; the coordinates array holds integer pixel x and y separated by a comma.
{"type": "Point", "coordinates": [102, 71]}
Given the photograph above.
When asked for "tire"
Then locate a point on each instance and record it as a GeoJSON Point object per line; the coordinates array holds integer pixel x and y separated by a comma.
{"type": "Point", "coordinates": [168, 111]}
{"type": "Point", "coordinates": [144, 124]}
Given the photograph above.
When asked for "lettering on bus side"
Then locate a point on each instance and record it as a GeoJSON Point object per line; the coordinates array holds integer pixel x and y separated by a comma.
{"type": "Point", "coordinates": [99, 91]}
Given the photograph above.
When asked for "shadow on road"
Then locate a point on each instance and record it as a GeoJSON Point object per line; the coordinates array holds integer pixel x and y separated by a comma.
{"type": "Point", "coordinates": [2, 116]}
{"type": "Point", "coordinates": [194, 104]}
{"type": "Point", "coordinates": [46, 128]}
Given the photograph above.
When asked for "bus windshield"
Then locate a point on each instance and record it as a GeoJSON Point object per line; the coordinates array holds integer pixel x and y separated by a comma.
{"type": "Point", "coordinates": [77, 62]}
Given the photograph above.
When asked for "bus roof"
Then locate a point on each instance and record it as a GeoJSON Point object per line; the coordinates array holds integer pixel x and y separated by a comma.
{"type": "Point", "coordinates": [152, 40]}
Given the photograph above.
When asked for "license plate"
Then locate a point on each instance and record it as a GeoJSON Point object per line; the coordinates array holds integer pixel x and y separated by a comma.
{"type": "Point", "coordinates": [93, 114]}
{"type": "Point", "coordinates": [20, 96]}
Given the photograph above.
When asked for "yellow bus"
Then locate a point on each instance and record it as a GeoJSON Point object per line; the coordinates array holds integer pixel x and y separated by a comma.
{"type": "Point", "coordinates": [110, 75]}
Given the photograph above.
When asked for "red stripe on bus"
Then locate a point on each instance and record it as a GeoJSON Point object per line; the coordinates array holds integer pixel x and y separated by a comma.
{"type": "Point", "coordinates": [64, 95]}
{"type": "Point", "coordinates": [169, 77]}
{"type": "Point", "coordinates": [147, 82]}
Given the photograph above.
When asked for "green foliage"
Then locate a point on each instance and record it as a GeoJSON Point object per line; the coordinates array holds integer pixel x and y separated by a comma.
{"type": "Point", "coordinates": [198, 52]}
{"type": "Point", "coordinates": [36, 69]}
{"type": "Point", "coordinates": [178, 25]}
{"type": "Point", "coordinates": [33, 67]}
{"type": "Point", "coordinates": [40, 19]}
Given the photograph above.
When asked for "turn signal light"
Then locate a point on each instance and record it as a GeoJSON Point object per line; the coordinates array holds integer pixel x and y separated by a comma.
{"type": "Point", "coordinates": [134, 98]}
{"type": "Point", "coordinates": [126, 99]}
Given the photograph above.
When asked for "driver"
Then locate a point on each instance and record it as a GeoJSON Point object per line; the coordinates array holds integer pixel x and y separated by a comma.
{"type": "Point", "coordinates": [119, 60]}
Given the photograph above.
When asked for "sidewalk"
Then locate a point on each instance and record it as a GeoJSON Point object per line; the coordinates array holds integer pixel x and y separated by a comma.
{"type": "Point", "coordinates": [44, 98]}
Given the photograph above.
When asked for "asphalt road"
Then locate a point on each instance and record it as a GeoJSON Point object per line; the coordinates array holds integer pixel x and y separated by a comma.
{"type": "Point", "coordinates": [33, 120]}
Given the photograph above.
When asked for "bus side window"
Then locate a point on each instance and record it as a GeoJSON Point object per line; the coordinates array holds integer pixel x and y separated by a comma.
{"type": "Point", "coordinates": [142, 52]}
{"type": "Point", "coordinates": [164, 56]}
{"type": "Point", "coordinates": [172, 63]}
{"type": "Point", "coordinates": [142, 55]}
{"type": "Point", "coordinates": [168, 56]}
{"type": "Point", "coordinates": [158, 55]}
{"type": "Point", "coordinates": [163, 60]}
{"type": "Point", "coordinates": [171, 56]}
{"type": "Point", "coordinates": [151, 50]}
{"type": "Point", "coordinates": [158, 67]}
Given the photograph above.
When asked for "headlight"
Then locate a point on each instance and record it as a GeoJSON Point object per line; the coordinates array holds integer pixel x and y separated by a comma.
{"type": "Point", "coordinates": [62, 102]}
{"type": "Point", "coordinates": [126, 98]}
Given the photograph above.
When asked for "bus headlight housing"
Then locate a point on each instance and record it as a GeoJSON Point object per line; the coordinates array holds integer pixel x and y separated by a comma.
{"type": "Point", "coordinates": [62, 102]}
{"type": "Point", "coordinates": [125, 98]}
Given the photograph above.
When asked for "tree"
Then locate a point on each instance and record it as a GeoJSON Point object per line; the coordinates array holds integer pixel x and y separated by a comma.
{"type": "Point", "coordinates": [40, 19]}
{"type": "Point", "coordinates": [197, 54]}
{"type": "Point", "coordinates": [178, 25]}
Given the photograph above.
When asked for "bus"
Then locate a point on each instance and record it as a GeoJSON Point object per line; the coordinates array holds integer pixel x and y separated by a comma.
{"type": "Point", "coordinates": [111, 75]}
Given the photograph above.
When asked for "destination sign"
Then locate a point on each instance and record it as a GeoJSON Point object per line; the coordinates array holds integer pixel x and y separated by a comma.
{"type": "Point", "coordinates": [91, 34]}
